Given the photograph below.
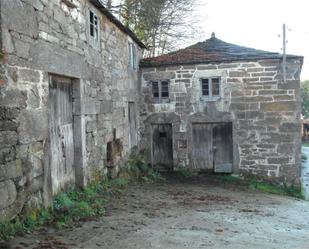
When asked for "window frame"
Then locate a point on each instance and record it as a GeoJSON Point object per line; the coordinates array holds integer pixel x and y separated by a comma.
{"type": "Point", "coordinates": [210, 96]}
{"type": "Point", "coordinates": [160, 99]}
{"type": "Point", "coordinates": [132, 55]}
{"type": "Point", "coordinates": [94, 41]}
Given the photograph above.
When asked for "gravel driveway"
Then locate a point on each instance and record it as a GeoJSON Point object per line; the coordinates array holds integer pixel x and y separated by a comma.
{"type": "Point", "coordinates": [192, 213]}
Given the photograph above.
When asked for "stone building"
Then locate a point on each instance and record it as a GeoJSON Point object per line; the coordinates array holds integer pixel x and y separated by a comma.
{"type": "Point", "coordinates": [224, 108]}
{"type": "Point", "coordinates": [68, 96]}
{"type": "Point", "coordinates": [70, 92]}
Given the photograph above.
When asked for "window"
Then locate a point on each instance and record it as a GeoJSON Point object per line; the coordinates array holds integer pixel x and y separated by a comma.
{"type": "Point", "coordinates": [94, 29]}
{"type": "Point", "coordinates": [210, 88]}
{"type": "Point", "coordinates": [132, 55]}
{"type": "Point", "coordinates": [160, 90]}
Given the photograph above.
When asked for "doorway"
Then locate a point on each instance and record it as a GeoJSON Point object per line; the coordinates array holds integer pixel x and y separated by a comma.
{"type": "Point", "coordinates": [61, 133]}
{"type": "Point", "coordinates": [162, 146]}
{"type": "Point", "coordinates": [212, 147]}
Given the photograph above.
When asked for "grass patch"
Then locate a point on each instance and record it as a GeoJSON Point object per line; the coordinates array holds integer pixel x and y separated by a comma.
{"type": "Point", "coordinates": [183, 172]}
{"type": "Point", "coordinates": [277, 189]}
{"type": "Point", "coordinates": [80, 204]}
{"type": "Point", "coordinates": [264, 186]}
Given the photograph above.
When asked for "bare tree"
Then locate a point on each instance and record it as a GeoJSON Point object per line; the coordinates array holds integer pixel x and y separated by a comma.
{"type": "Point", "coordinates": [161, 24]}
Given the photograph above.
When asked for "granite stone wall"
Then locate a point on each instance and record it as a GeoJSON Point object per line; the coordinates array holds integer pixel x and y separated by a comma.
{"type": "Point", "coordinates": [42, 38]}
{"type": "Point", "coordinates": [264, 111]}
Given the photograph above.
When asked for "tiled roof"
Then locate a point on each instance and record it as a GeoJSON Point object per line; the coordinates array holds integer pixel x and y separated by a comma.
{"type": "Point", "coordinates": [212, 50]}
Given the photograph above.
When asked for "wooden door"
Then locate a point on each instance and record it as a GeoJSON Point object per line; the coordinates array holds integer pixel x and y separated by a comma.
{"type": "Point", "coordinates": [162, 146]}
{"type": "Point", "coordinates": [202, 146]}
{"type": "Point", "coordinates": [132, 125]}
{"type": "Point", "coordinates": [61, 133]}
{"type": "Point", "coordinates": [223, 147]}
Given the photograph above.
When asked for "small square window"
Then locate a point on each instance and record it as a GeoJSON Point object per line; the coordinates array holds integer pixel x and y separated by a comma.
{"type": "Point", "coordinates": [160, 90]}
{"type": "Point", "coordinates": [210, 88]}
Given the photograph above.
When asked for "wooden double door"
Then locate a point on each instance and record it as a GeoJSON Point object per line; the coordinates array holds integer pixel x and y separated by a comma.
{"type": "Point", "coordinates": [212, 146]}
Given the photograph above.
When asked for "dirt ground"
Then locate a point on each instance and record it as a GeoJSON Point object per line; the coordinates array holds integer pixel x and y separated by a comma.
{"type": "Point", "coordinates": [186, 213]}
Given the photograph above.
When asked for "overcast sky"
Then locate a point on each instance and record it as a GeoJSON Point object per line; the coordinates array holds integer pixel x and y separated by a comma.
{"type": "Point", "coordinates": [257, 24]}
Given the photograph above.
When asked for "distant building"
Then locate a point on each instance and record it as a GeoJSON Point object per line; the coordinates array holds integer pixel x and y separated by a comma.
{"type": "Point", "coordinates": [224, 108]}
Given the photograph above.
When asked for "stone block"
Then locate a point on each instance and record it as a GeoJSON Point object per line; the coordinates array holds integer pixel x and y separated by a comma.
{"type": "Point", "coordinates": [279, 106]}
{"type": "Point", "coordinates": [33, 126]}
{"type": "Point", "coordinates": [159, 76]}
{"type": "Point", "coordinates": [290, 127]}
{"type": "Point", "coordinates": [206, 67]}
{"type": "Point", "coordinates": [269, 63]}
{"type": "Point", "coordinates": [8, 113]}
{"type": "Point", "coordinates": [7, 154]}
{"type": "Point", "coordinates": [290, 85]}
{"type": "Point", "coordinates": [13, 98]}
{"type": "Point", "coordinates": [272, 92]}
{"type": "Point", "coordinates": [22, 48]}
{"type": "Point", "coordinates": [36, 4]}
{"type": "Point", "coordinates": [8, 139]}
{"type": "Point", "coordinates": [8, 193]}
{"type": "Point", "coordinates": [283, 97]}
{"type": "Point", "coordinates": [106, 107]}
{"type": "Point", "coordinates": [91, 107]}
{"type": "Point", "coordinates": [11, 170]}
{"type": "Point", "coordinates": [8, 45]}
{"type": "Point", "coordinates": [91, 126]}
{"type": "Point", "coordinates": [237, 74]}
{"type": "Point", "coordinates": [278, 160]}
{"type": "Point", "coordinates": [7, 125]}
{"type": "Point", "coordinates": [20, 17]}
{"type": "Point", "coordinates": [277, 138]}
{"type": "Point", "coordinates": [34, 98]}
{"type": "Point", "coordinates": [29, 75]}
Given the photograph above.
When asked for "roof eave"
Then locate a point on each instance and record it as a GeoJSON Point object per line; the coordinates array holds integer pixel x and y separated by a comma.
{"type": "Point", "coordinates": [114, 20]}
{"type": "Point", "coordinates": [148, 65]}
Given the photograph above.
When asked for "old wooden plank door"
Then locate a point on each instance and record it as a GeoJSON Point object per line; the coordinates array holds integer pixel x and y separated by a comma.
{"type": "Point", "coordinates": [132, 125]}
{"type": "Point", "coordinates": [61, 133]}
{"type": "Point", "coordinates": [202, 146]}
{"type": "Point", "coordinates": [223, 147]}
{"type": "Point", "coordinates": [162, 146]}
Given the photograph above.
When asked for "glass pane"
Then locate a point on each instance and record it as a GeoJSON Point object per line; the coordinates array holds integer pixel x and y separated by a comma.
{"type": "Point", "coordinates": [155, 89]}
{"type": "Point", "coordinates": [205, 87]}
{"type": "Point", "coordinates": [215, 87]}
{"type": "Point", "coordinates": [164, 89]}
{"type": "Point", "coordinates": [96, 34]}
{"type": "Point", "coordinates": [91, 17]}
{"type": "Point", "coordinates": [91, 30]}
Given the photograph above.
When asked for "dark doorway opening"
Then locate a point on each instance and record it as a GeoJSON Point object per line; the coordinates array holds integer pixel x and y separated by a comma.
{"type": "Point", "coordinates": [162, 147]}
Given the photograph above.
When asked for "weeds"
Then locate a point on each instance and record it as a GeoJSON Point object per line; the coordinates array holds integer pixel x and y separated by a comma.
{"type": "Point", "coordinates": [277, 189]}
{"type": "Point", "coordinates": [184, 172]}
{"type": "Point", "coordinates": [263, 186]}
{"type": "Point", "coordinates": [78, 204]}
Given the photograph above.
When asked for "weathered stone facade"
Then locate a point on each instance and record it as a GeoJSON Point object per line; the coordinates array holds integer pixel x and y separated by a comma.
{"type": "Point", "coordinates": [42, 39]}
{"type": "Point", "coordinates": [263, 109]}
